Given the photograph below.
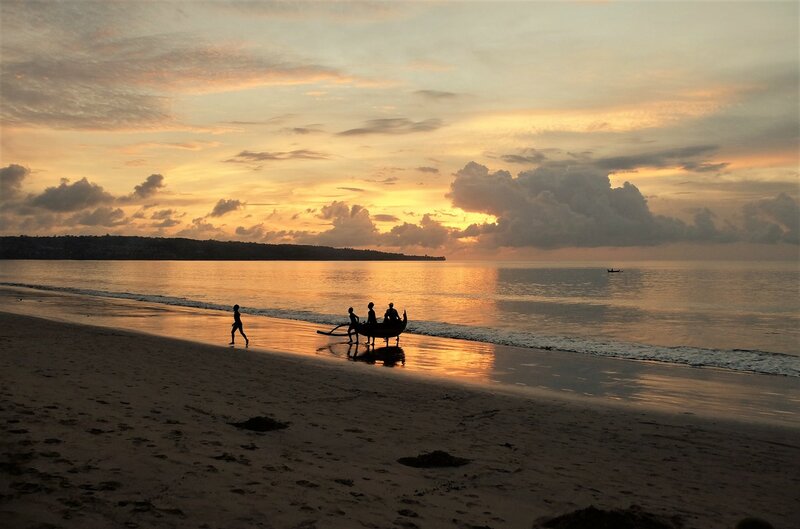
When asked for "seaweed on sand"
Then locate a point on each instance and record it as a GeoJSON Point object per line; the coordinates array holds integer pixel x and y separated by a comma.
{"type": "Point", "coordinates": [437, 458]}
{"type": "Point", "coordinates": [260, 424]}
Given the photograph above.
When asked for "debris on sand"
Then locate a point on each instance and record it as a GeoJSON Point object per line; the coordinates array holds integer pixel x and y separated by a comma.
{"type": "Point", "coordinates": [260, 424]}
{"type": "Point", "coordinates": [435, 459]}
{"type": "Point", "coordinates": [592, 518]}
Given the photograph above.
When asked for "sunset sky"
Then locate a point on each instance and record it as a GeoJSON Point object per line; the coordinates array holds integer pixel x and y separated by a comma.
{"type": "Point", "coordinates": [517, 129]}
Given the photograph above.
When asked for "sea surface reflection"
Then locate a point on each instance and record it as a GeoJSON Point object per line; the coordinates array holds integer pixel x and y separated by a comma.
{"type": "Point", "coordinates": [677, 389]}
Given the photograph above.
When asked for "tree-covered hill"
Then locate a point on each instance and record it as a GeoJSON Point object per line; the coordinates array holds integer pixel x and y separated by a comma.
{"type": "Point", "coordinates": [113, 247]}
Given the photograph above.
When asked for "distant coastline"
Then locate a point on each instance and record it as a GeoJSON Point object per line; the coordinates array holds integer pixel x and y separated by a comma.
{"type": "Point", "coordinates": [118, 247]}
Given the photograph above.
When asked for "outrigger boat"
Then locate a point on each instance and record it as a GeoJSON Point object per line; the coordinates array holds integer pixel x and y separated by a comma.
{"type": "Point", "coordinates": [380, 330]}
{"type": "Point", "coordinates": [613, 271]}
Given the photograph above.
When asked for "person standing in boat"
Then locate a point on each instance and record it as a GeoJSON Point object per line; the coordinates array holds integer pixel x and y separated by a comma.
{"type": "Point", "coordinates": [352, 328]}
{"type": "Point", "coordinates": [391, 315]}
{"type": "Point", "coordinates": [237, 324]}
{"type": "Point", "coordinates": [372, 320]}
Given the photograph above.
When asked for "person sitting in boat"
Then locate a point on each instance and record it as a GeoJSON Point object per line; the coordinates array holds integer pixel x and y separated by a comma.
{"type": "Point", "coordinates": [371, 319]}
{"type": "Point", "coordinates": [391, 315]}
{"type": "Point", "coordinates": [352, 328]}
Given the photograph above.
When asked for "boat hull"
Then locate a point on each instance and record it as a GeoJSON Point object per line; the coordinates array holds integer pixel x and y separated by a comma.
{"type": "Point", "coordinates": [383, 330]}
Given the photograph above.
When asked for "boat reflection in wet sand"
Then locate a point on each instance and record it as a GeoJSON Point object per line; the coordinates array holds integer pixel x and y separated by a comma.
{"type": "Point", "coordinates": [390, 355]}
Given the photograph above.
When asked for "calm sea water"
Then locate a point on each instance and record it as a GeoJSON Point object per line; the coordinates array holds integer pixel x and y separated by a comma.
{"type": "Point", "coordinates": [742, 316]}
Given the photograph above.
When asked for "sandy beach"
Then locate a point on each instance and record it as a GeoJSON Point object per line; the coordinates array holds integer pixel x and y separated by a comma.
{"type": "Point", "coordinates": [108, 428]}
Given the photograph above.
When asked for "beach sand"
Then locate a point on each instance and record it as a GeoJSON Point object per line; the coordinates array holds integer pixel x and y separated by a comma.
{"type": "Point", "coordinates": [109, 428]}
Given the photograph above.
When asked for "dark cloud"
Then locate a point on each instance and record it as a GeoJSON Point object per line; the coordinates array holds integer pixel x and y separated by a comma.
{"type": "Point", "coordinates": [264, 156]}
{"type": "Point", "coordinates": [393, 126]}
{"type": "Point", "coordinates": [436, 95]}
{"type": "Point", "coordinates": [71, 197]}
{"type": "Point", "coordinates": [201, 229]}
{"type": "Point", "coordinates": [224, 206]}
{"type": "Point", "coordinates": [102, 216]}
{"type": "Point", "coordinates": [575, 206]}
{"type": "Point", "coordinates": [149, 187]}
{"type": "Point", "coordinates": [381, 217]}
{"type": "Point", "coordinates": [163, 214]}
{"type": "Point", "coordinates": [302, 131]}
{"type": "Point", "coordinates": [44, 101]}
{"type": "Point", "coordinates": [428, 234]}
{"type": "Point", "coordinates": [388, 181]}
{"type": "Point", "coordinates": [556, 206]}
{"type": "Point", "coordinates": [11, 178]}
{"type": "Point", "coordinates": [353, 189]}
{"type": "Point", "coordinates": [167, 223]}
{"type": "Point", "coordinates": [431, 170]}
{"type": "Point", "coordinates": [665, 158]}
{"type": "Point", "coordinates": [704, 167]}
{"type": "Point", "coordinates": [166, 217]}
{"type": "Point", "coordinates": [772, 220]}
{"type": "Point", "coordinates": [527, 156]}
{"type": "Point", "coordinates": [351, 226]}
{"type": "Point", "coordinates": [253, 233]}
{"type": "Point", "coordinates": [97, 69]}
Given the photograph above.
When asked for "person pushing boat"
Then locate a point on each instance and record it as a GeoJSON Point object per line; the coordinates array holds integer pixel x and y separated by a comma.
{"type": "Point", "coordinates": [353, 326]}
{"type": "Point", "coordinates": [372, 320]}
{"type": "Point", "coordinates": [391, 315]}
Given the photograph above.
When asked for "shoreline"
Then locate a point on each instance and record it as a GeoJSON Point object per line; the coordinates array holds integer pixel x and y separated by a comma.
{"type": "Point", "coordinates": [737, 359]}
{"type": "Point", "coordinates": [110, 428]}
{"type": "Point", "coordinates": [707, 392]}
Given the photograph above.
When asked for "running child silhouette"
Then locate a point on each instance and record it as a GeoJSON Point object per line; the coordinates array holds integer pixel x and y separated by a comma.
{"type": "Point", "coordinates": [237, 324]}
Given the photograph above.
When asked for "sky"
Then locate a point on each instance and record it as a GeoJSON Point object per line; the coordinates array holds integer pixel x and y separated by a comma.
{"type": "Point", "coordinates": [467, 129]}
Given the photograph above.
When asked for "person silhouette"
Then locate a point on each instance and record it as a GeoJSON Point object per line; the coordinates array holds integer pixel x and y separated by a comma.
{"type": "Point", "coordinates": [372, 320]}
{"type": "Point", "coordinates": [237, 324]}
{"type": "Point", "coordinates": [353, 321]}
{"type": "Point", "coordinates": [391, 315]}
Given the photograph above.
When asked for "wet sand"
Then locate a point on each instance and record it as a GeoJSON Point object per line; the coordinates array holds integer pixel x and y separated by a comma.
{"type": "Point", "coordinates": [109, 428]}
{"type": "Point", "coordinates": [703, 392]}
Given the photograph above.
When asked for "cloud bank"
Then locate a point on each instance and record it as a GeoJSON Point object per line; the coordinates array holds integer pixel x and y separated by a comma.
{"type": "Point", "coordinates": [558, 205]}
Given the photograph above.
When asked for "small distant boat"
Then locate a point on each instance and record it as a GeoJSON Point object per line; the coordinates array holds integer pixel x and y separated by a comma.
{"type": "Point", "coordinates": [613, 270]}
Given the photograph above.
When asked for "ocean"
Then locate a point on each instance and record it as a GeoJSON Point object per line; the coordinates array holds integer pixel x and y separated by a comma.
{"type": "Point", "coordinates": [741, 316]}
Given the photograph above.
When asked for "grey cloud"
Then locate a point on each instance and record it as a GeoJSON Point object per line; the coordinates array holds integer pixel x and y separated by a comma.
{"type": "Point", "coordinates": [351, 226]}
{"type": "Point", "coordinates": [253, 233]}
{"type": "Point", "coordinates": [353, 189]}
{"type": "Point", "coordinates": [98, 69]}
{"type": "Point", "coordinates": [389, 181]}
{"type": "Point", "coordinates": [253, 156]}
{"type": "Point", "coordinates": [102, 216]}
{"type": "Point", "coordinates": [200, 229]}
{"type": "Point", "coordinates": [393, 126]}
{"type": "Point", "coordinates": [52, 102]}
{"type": "Point", "coordinates": [11, 178]}
{"type": "Point", "coordinates": [224, 206]}
{"type": "Point", "coordinates": [163, 214]}
{"type": "Point", "coordinates": [704, 167]}
{"type": "Point", "coordinates": [663, 158]}
{"type": "Point", "coordinates": [381, 217]}
{"type": "Point", "coordinates": [527, 156]}
{"type": "Point", "coordinates": [428, 234]}
{"type": "Point", "coordinates": [71, 197]}
{"type": "Point", "coordinates": [772, 220]}
{"type": "Point", "coordinates": [302, 131]}
{"type": "Point", "coordinates": [431, 170]}
{"type": "Point", "coordinates": [436, 95]}
{"type": "Point", "coordinates": [555, 207]}
{"type": "Point", "coordinates": [559, 206]}
{"type": "Point", "coordinates": [146, 189]}
{"type": "Point", "coordinates": [166, 218]}
{"type": "Point", "coordinates": [167, 223]}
